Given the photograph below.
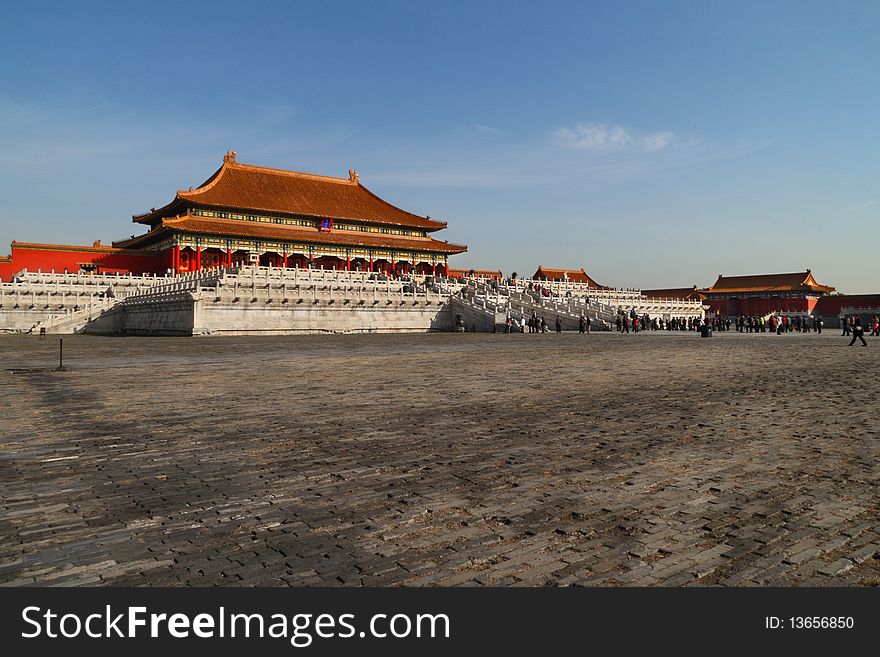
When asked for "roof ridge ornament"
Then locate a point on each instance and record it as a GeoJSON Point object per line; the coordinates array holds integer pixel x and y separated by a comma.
{"type": "Point", "coordinates": [353, 176]}
{"type": "Point", "coordinates": [229, 158]}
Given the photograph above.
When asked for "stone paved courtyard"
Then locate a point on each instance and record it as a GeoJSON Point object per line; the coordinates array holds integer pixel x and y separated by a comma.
{"type": "Point", "coordinates": [479, 459]}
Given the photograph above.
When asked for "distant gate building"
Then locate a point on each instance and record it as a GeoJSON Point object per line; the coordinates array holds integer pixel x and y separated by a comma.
{"type": "Point", "coordinates": [765, 293]}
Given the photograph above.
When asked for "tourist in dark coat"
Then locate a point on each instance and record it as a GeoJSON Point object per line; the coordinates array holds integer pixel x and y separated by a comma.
{"type": "Point", "coordinates": [858, 333]}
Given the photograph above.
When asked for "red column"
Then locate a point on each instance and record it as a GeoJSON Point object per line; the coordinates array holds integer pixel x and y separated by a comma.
{"type": "Point", "coordinates": [284, 258]}
{"type": "Point", "coordinates": [228, 257]}
{"type": "Point", "coordinates": [175, 258]}
{"type": "Point", "coordinates": [435, 268]}
{"type": "Point", "coordinates": [198, 258]}
{"type": "Point", "coordinates": [347, 264]}
{"type": "Point", "coordinates": [371, 263]}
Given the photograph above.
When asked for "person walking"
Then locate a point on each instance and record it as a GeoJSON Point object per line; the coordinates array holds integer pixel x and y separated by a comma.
{"type": "Point", "coordinates": [819, 324]}
{"type": "Point", "coordinates": [589, 321]}
{"type": "Point", "coordinates": [582, 325]}
{"type": "Point", "coordinates": [558, 324]}
{"type": "Point", "coordinates": [844, 324]}
{"type": "Point", "coordinates": [875, 325]}
{"type": "Point", "coordinates": [858, 332]}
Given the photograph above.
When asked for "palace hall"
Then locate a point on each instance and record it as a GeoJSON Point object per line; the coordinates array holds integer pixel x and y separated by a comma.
{"type": "Point", "coordinates": [244, 213]}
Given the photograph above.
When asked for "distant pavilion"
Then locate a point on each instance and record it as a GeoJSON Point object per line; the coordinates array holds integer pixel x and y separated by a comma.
{"type": "Point", "coordinates": [564, 275]}
{"type": "Point", "coordinates": [689, 293]}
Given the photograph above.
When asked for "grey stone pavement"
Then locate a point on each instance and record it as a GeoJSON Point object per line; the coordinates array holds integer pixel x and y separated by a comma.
{"type": "Point", "coordinates": [441, 459]}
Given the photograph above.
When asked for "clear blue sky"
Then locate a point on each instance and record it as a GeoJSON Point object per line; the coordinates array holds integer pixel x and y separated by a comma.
{"type": "Point", "coordinates": [653, 143]}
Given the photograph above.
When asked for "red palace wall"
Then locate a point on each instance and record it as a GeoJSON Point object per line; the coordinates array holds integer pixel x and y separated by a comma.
{"type": "Point", "coordinates": [49, 257]}
{"type": "Point", "coordinates": [481, 273]}
{"type": "Point", "coordinates": [831, 305]}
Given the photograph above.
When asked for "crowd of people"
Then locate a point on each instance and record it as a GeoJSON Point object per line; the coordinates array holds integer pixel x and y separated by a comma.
{"type": "Point", "coordinates": [626, 322]}
{"type": "Point", "coordinates": [536, 324]}
{"type": "Point", "coordinates": [770, 324]}
{"type": "Point", "coordinates": [631, 321]}
{"type": "Point", "coordinates": [849, 323]}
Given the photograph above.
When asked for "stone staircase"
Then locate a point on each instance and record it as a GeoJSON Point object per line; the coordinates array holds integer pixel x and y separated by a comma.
{"type": "Point", "coordinates": [486, 301]}
{"type": "Point", "coordinates": [75, 321]}
{"type": "Point", "coordinates": [499, 302]}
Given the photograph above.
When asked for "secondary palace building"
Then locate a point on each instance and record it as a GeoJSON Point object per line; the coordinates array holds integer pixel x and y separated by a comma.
{"type": "Point", "coordinates": [765, 293]}
{"type": "Point", "coordinates": [246, 213]}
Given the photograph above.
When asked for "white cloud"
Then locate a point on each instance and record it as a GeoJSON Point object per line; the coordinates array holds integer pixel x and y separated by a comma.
{"type": "Point", "coordinates": [658, 141]}
{"type": "Point", "coordinates": [595, 137]}
{"type": "Point", "coordinates": [486, 129]}
{"type": "Point", "coordinates": [604, 137]}
{"type": "Point", "coordinates": [864, 206]}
